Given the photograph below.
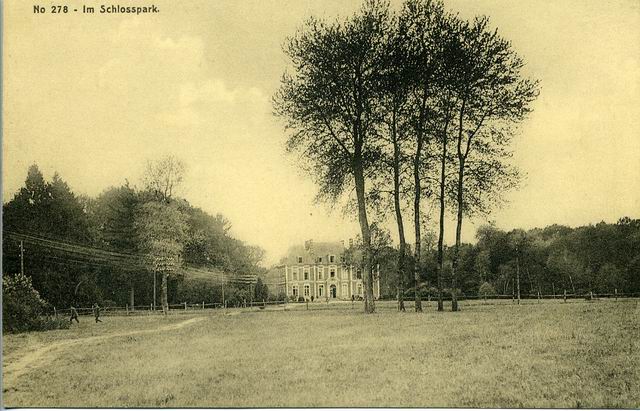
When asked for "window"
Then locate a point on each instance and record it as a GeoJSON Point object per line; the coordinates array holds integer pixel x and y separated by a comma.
{"type": "Point", "coordinates": [306, 290]}
{"type": "Point", "coordinates": [295, 290]}
{"type": "Point", "coordinates": [358, 274]}
{"type": "Point", "coordinates": [345, 290]}
{"type": "Point", "coordinates": [332, 273]}
{"type": "Point", "coordinates": [320, 273]}
{"type": "Point", "coordinates": [299, 260]}
{"type": "Point", "coordinates": [321, 290]}
{"type": "Point", "coordinates": [332, 258]}
{"type": "Point", "coordinates": [320, 260]}
{"type": "Point", "coordinates": [306, 274]}
{"type": "Point", "coordinates": [359, 289]}
{"type": "Point", "coordinates": [295, 273]}
{"type": "Point", "coordinates": [342, 260]}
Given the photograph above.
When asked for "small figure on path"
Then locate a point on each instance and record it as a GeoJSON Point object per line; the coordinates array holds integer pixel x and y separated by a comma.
{"type": "Point", "coordinates": [74, 315]}
{"type": "Point", "coordinates": [96, 312]}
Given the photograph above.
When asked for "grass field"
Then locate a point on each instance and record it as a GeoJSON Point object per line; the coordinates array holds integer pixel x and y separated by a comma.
{"type": "Point", "coordinates": [578, 354]}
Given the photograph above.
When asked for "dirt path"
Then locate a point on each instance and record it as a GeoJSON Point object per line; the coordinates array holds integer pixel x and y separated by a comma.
{"type": "Point", "coordinates": [43, 354]}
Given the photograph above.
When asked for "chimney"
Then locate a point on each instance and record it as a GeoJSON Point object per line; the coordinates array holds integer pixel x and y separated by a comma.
{"type": "Point", "coordinates": [308, 244]}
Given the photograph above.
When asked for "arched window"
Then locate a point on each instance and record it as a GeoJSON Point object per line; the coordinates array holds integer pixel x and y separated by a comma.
{"type": "Point", "coordinates": [306, 290]}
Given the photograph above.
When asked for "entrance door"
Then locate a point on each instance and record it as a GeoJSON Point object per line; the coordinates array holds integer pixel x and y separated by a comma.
{"type": "Point", "coordinates": [332, 291]}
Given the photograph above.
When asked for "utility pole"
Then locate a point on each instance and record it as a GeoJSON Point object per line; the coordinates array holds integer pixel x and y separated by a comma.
{"type": "Point", "coordinates": [154, 289]}
{"type": "Point", "coordinates": [518, 272]}
{"type": "Point", "coordinates": [224, 304]}
{"type": "Point", "coordinates": [21, 258]}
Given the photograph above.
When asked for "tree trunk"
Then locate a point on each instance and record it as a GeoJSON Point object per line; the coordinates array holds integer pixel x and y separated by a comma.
{"type": "Point", "coordinates": [443, 162]}
{"type": "Point", "coordinates": [416, 221]}
{"type": "Point", "coordinates": [132, 297]}
{"type": "Point", "coordinates": [456, 251]}
{"type": "Point", "coordinates": [398, 211]}
{"type": "Point", "coordinates": [518, 276]}
{"type": "Point", "coordinates": [165, 300]}
{"type": "Point", "coordinates": [369, 304]}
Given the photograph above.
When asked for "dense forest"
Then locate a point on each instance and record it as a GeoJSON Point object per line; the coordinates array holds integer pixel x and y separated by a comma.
{"type": "Point", "coordinates": [600, 259]}
{"type": "Point", "coordinates": [82, 250]}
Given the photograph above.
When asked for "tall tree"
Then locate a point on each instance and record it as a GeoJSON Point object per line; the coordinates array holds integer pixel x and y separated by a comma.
{"type": "Point", "coordinates": [51, 210]}
{"type": "Point", "coordinates": [115, 212]}
{"type": "Point", "coordinates": [163, 176]}
{"type": "Point", "coordinates": [162, 230]}
{"type": "Point", "coordinates": [330, 104]}
{"type": "Point", "coordinates": [396, 83]}
{"type": "Point", "coordinates": [492, 95]}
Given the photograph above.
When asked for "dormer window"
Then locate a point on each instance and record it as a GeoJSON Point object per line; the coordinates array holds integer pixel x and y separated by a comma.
{"type": "Point", "coordinates": [332, 258]}
{"type": "Point", "coordinates": [299, 260]}
{"type": "Point", "coordinates": [320, 260]}
{"type": "Point", "coordinates": [342, 259]}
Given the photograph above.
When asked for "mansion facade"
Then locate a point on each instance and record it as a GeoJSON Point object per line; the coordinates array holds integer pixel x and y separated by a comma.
{"type": "Point", "coordinates": [323, 271]}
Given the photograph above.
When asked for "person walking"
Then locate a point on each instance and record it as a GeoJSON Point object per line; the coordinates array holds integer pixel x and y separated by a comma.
{"type": "Point", "coordinates": [74, 315]}
{"type": "Point", "coordinates": [96, 312]}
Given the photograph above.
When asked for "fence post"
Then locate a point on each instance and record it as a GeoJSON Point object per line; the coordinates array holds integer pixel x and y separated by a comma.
{"type": "Point", "coordinates": [185, 306]}
{"type": "Point", "coordinates": [55, 313]}
{"type": "Point", "coordinates": [565, 296]}
{"type": "Point", "coordinates": [591, 295]}
{"type": "Point", "coordinates": [538, 296]}
{"type": "Point", "coordinates": [307, 304]}
{"type": "Point", "coordinates": [615, 291]}
{"type": "Point", "coordinates": [127, 307]}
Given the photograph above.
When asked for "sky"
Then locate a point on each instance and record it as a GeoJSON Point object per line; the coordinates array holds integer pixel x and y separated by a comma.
{"type": "Point", "coordinates": [94, 97]}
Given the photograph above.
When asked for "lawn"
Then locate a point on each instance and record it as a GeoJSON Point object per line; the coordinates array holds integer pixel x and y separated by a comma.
{"type": "Point", "coordinates": [578, 354]}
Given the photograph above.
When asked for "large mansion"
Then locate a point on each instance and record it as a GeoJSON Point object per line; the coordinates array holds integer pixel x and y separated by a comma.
{"type": "Point", "coordinates": [324, 270]}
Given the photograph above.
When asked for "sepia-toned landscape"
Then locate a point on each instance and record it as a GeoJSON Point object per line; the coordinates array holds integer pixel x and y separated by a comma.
{"type": "Point", "coordinates": [368, 203]}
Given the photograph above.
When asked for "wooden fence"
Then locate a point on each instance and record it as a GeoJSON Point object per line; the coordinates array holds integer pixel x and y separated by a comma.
{"type": "Point", "coordinates": [323, 304]}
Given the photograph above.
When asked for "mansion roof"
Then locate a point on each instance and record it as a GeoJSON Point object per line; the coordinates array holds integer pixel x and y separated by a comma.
{"type": "Point", "coordinates": [315, 253]}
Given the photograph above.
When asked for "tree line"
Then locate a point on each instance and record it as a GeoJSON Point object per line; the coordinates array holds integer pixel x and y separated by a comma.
{"type": "Point", "coordinates": [80, 250]}
{"type": "Point", "coordinates": [600, 259]}
{"type": "Point", "coordinates": [410, 110]}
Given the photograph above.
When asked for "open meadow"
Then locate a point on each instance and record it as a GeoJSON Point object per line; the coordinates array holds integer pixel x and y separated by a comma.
{"type": "Point", "coordinates": [551, 354]}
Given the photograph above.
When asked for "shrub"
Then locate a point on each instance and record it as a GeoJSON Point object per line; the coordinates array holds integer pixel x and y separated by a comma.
{"type": "Point", "coordinates": [52, 323]}
{"type": "Point", "coordinates": [486, 290]}
{"type": "Point", "coordinates": [22, 306]}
